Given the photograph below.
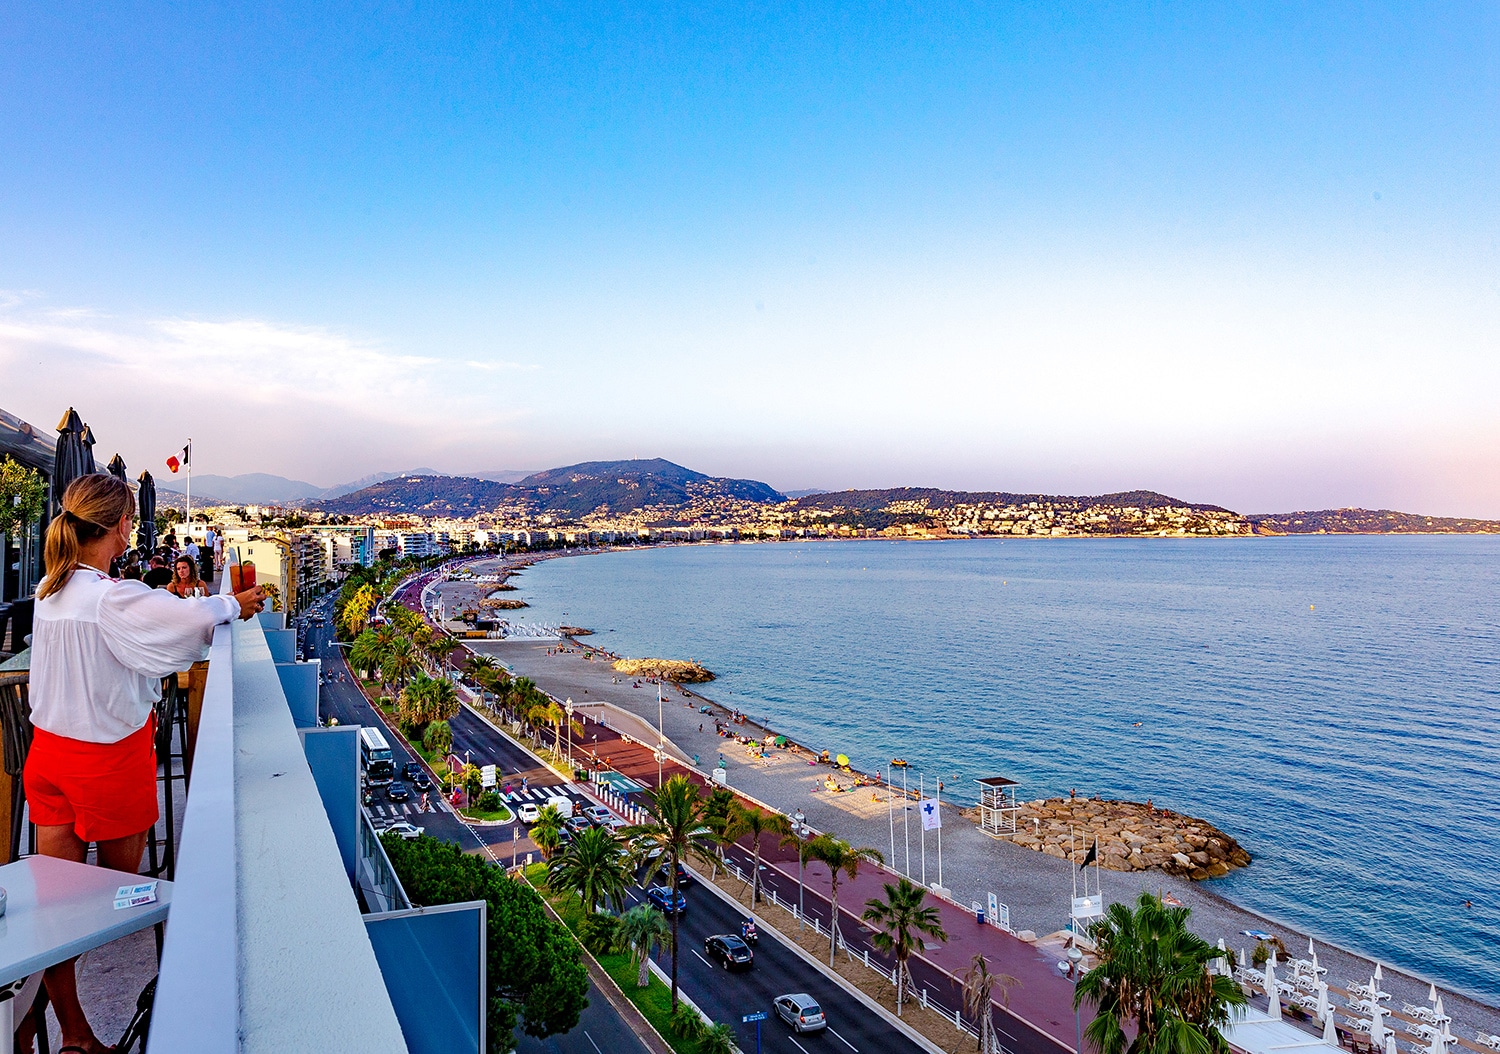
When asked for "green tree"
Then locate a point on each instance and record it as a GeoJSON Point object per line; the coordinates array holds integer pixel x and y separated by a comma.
{"type": "Point", "coordinates": [716, 819]}
{"type": "Point", "coordinates": [438, 738]}
{"type": "Point", "coordinates": [534, 971]}
{"type": "Point", "coordinates": [354, 613]}
{"type": "Point", "coordinates": [400, 662]}
{"type": "Point", "coordinates": [840, 858]}
{"type": "Point", "coordinates": [757, 823]}
{"type": "Point", "coordinates": [1153, 975]}
{"type": "Point", "coordinates": [901, 921]}
{"type": "Point", "coordinates": [674, 827]}
{"type": "Point", "coordinates": [441, 647]}
{"type": "Point", "coordinates": [593, 867]}
{"type": "Point", "coordinates": [23, 495]}
{"type": "Point", "coordinates": [717, 1039]}
{"type": "Point", "coordinates": [546, 833]}
{"type": "Point", "coordinates": [642, 930]}
{"type": "Point", "coordinates": [367, 652]}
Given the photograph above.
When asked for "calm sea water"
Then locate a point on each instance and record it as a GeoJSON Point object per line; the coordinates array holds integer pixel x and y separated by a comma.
{"type": "Point", "coordinates": [1332, 702]}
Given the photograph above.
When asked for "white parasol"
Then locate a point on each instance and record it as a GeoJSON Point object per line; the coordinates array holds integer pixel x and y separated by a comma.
{"type": "Point", "coordinates": [1273, 997]}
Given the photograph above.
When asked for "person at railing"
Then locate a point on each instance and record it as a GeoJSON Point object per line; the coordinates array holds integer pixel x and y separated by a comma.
{"type": "Point", "coordinates": [185, 580]}
{"type": "Point", "coordinates": [100, 648]}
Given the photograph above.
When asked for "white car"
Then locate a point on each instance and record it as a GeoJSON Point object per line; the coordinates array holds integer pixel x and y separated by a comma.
{"type": "Point", "coordinates": [800, 1011]}
{"type": "Point", "coordinates": [405, 830]}
{"type": "Point", "coordinates": [529, 813]}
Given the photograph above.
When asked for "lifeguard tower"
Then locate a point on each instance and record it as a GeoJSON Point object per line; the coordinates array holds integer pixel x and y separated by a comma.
{"type": "Point", "coordinates": [998, 808]}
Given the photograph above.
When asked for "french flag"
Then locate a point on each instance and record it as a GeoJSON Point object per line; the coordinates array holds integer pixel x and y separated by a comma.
{"type": "Point", "coordinates": [178, 461]}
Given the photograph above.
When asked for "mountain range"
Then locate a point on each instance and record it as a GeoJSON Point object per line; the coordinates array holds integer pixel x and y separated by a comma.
{"type": "Point", "coordinates": [261, 488]}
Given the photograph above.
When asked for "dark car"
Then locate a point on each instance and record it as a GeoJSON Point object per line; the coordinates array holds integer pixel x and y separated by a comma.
{"type": "Point", "coordinates": [397, 792]}
{"type": "Point", "coordinates": [421, 781]}
{"type": "Point", "coordinates": [729, 951]}
{"type": "Point", "coordinates": [661, 896]}
{"type": "Point", "coordinates": [683, 878]}
{"type": "Point", "coordinates": [411, 770]}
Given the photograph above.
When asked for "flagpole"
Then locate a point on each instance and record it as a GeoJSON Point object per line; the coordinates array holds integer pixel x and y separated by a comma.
{"type": "Point", "coordinates": [189, 467]}
{"type": "Point", "coordinates": [906, 820]}
{"type": "Point", "coordinates": [922, 797]}
{"type": "Point", "coordinates": [939, 800]}
{"type": "Point", "coordinates": [890, 810]}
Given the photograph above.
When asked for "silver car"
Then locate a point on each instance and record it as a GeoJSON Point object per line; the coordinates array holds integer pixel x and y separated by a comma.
{"type": "Point", "coordinates": [800, 1011]}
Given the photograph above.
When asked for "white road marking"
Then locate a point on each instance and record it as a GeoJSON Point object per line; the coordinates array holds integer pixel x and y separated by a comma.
{"type": "Point", "coordinates": [704, 961]}
{"type": "Point", "coordinates": [799, 1046]}
{"type": "Point", "coordinates": [845, 1042]}
{"type": "Point", "coordinates": [591, 1041]}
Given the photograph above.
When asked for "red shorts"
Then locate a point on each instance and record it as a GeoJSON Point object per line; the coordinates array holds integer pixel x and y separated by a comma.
{"type": "Point", "coordinates": [103, 790]}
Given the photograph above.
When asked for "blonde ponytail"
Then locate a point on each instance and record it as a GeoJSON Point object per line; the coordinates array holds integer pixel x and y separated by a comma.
{"type": "Point", "coordinates": [92, 506]}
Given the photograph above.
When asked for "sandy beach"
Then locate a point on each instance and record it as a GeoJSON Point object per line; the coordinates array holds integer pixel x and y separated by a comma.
{"type": "Point", "coordinates": [1036, 887]}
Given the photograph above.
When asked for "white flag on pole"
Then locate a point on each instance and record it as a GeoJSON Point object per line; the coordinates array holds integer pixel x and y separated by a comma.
{"type": "Point", "coordinates": [932, 816]}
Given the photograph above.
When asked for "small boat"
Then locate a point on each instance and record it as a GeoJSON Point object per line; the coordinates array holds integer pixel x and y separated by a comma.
{"type": "Point", "coordinates": [899, 763]}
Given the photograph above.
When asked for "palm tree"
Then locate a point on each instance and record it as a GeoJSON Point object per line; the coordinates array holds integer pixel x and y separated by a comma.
{"type": "Point", "coordinates": [442, 699]}
{"type": "Point", "coordinates": [642, 930]}
{"type": "Point", "coordinates": [756, 822]}
{"type": "Point", "coordinates": [400, 662]}
{"type": "Point", "coordinates": [716, 819]}
{"type": "Point", "coordinates": [979, 984]}
{"type": "Point", "coordinates": [546, 833]}
{"type": "Point", "coordinates": [474, 664]}
{"type": "Point", "coordinates": [839, 857]}
{"type": "Point", "coordinates": [366, 653]}
{"type": "Point", "coordinates": [356, 614]}
{"type": "Point", "coordinates": [438, 738]}
{"type": "Point", "coordinates": [555, 716]}
{"type": "Point", "coordinates": [414, 702]}
{"type": "Point", "coordinates": [902, 920]}
{"type": "Point", "coordinates": [1153, 973]}
{"type": "Point", "coordinates": [441, 647]}
{"type": "Point", "coordinates": [593, 866]}
{"type": "Point", "coordinates": [674, 828]}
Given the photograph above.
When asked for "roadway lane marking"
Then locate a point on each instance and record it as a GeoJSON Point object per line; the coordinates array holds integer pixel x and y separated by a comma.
{"type": "Point", "coordinates": [591, 1041]}
{"type": "Point", "coordinates": [844, 1041]}
{"type": "Point", "coordinates": [701, 959]}
{"type": "Point", "coordinates": [799, 1046]}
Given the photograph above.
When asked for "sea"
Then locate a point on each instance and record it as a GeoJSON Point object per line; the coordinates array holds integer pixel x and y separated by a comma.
{"type": "Point", "coordinates": [1332, 702]}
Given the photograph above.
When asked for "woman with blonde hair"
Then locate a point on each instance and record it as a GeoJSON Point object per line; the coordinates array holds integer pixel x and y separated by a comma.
{"type": "Point", "coordinates": [100, 648]}
{"type": "Point", "coordinates": [185, 580]}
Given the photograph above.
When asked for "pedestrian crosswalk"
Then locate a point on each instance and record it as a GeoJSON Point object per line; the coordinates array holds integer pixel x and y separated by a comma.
{"type": "Point", "coordinates": [393, 811]}
{"type": "Point", "coordinates": [541, 794]}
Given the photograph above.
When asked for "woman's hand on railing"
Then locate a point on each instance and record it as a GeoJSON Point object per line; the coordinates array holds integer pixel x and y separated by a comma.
{"type": "Point", "coordinates": [251, 601]}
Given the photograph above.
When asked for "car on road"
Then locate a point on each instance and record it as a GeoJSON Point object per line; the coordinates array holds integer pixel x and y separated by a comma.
{"type": "Point", "coordinates": [598, 815]}
{"type": "Point", "coordinates": [578, 824]}
{"type": "Point", "coordinates": [729, 951]}
{"type": "Point", "coordinates": [801, 1011]}
{"type": "Point", "coordinates": [404, 830]}
{"type": "Point", "coordinates": [661, 897]}
{"type": "Point", "coordinates": [614, 823]}
{"type": "Point", "coordinates": [530, 812]}
{"type": "Point", "coordinates": [421, 781]}
{"type": "Point", "coordinates": [683, 878]}
{"type": "Point", "coordinates": [397, 792]}
{"type": "Point", "coordinates": [411, 770]}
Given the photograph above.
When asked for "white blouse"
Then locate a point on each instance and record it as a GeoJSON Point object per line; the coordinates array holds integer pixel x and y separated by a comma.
{"type": "Point", "coordinates": [100, 648]}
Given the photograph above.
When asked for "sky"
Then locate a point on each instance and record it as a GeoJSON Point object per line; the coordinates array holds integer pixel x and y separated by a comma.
{"type": "Point", "coordinates": [1242, 254]}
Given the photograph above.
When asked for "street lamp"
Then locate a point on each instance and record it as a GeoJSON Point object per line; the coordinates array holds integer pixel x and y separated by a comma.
{"type": "Point", "coordinates": [568, 709]}
{"type": "Point", "coordinates": [799, 824]}
{"type": "Point", "coordinates": [1075, 967]}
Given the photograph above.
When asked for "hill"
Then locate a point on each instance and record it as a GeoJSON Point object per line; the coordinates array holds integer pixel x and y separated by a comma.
{"type": "Point", "coordinates": [916, 498]}
{"type": "Point", "coordinates": [252, 488]}
{"type": "Point", "coordinates": [1367, 521]}
{"type": "Point", "coordinates": [613, 487]}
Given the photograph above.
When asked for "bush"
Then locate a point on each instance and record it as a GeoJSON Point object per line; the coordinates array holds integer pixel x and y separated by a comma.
{"type": "Point", "coordinates": [598, 933]}
{"type": "Point", "coordinates": [717, 1040]}
{"type": "Point", "coordinates": [687, 1023]}
{"type": "Point", "coordinates": [1259, 956]}
{"type": "Point", "coordinates": [489, 801]}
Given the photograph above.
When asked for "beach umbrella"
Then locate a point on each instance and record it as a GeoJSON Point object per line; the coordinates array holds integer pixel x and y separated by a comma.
{"type": "Point", "coordinates": [1439, 1042]}
{"type": "Point", "coordinates": [89, 467]}
{"type": "Point", "coordinates": [1390, 1043]}
{"type": "Point", "coordinates": [145, 500]}
{"type": "Point", "coordinates": [1431, 992]}
{"type": "Point", "coordinates": [116, 468]}
{"type": "Point", "coordinates": [67, 457]}
{"type": "Point", "coordinates": [1330, 1031]}
{"type": "Point", "coordinates": [1377, 977]}
{"type": "Point", "coordinates": [1221, 961]}
{"type": "Point", "coordinates": [1325, 1012]}
{"type": "Point", "coordinates": [1273, 997]}
{"type": "Point", "coordinates": [1377, 1019]}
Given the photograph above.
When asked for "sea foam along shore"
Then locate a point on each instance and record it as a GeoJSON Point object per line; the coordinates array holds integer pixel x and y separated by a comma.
{"type": "Point", "coordinates": [1035, 886]}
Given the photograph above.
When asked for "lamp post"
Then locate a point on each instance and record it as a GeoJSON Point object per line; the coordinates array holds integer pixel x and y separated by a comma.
{"type": "Point", "coordinates": [1075, 967]}
{"type": "Point", "coordinates": [568, 709]}
{"type": "Point", "coordinates": [799, 822]}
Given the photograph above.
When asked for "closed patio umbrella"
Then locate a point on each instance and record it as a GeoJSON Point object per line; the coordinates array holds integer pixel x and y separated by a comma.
{"type": "Point", "coordinates": [1330, 1031]}
{"type": "Point", "coordinates": [145, 501]}
{"type": "Point", "coordinates": [1273, 996]}
{"type": "Point", "coordinates": [116, 468]}
{"type": "Point", "coordinates": [1377, 1017]}
{"type": "Point", "coordinates": [1325, 1012]}
{"type": "Point", "coordinates": [89, 466]}
{"type": "Point", "coordinates": [68, 457]}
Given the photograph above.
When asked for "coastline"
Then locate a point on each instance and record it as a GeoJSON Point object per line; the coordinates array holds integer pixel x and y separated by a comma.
{"type": "Point", "coordinates": [1035, 886]}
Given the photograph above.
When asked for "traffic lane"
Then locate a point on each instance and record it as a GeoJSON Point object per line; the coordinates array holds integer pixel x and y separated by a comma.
{"type": "Point", "coordinates": [943, 989]}
{"type": "Point", "coordinates": [600, 1030]}
{"type": "Point", "coordinates": [778, 970]}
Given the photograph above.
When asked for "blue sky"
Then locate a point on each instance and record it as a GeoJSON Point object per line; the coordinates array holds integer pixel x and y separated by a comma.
{"type": "Point", "coordinates": [1246, 254]}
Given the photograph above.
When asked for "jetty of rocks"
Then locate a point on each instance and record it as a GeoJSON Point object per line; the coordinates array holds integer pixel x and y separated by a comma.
{"type": "Point", "coordinates": [667, 669]}
{"type": "Point", "coordinates": [1131, 837]}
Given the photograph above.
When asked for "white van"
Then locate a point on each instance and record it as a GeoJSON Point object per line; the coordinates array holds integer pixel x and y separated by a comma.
{"type": "Point", "coordinates": [562, 803]}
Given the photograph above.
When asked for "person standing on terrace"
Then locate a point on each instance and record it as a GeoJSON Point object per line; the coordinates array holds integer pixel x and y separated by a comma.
{"type": "Point", "coordinates": [99, 651]}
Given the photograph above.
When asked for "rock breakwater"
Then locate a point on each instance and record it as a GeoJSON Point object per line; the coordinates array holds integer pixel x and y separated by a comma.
{"type": "Point", "coordinates": [1131, 837]}
{"type": "Point", "coordinates": [667, 669]}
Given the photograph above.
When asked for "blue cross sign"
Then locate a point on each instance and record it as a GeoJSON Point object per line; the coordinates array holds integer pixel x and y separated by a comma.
{"type": "Point", "coordinates": [928, 808]}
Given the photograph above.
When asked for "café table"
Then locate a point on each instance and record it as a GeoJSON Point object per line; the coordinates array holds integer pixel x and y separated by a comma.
{"type": "Point", "coordinates": [57, 909]}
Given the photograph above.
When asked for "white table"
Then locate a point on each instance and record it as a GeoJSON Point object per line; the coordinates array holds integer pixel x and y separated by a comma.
{"type": "Point", "coordinates": [57, 909]}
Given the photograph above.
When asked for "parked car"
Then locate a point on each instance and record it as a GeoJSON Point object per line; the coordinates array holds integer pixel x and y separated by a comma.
{"type": "Point", "coordinates": [662, 897]}
{"type": "Point", "coordinates": [397, 792]}
{"type": "Point", "coordinates": [529, 813]}
{"type": "Point", "coordinates": [577, 824]}
{"type": "Point", "coordinates": [598, 815]}
{"type": "Point", "coordinates": [405, 830]}
{"type": "Point", "coordinates": [729, 951]}
{"type": "Point", "coordinates": [801, 1011]}
{"type": "Point", "coordinates": [411, 770]}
